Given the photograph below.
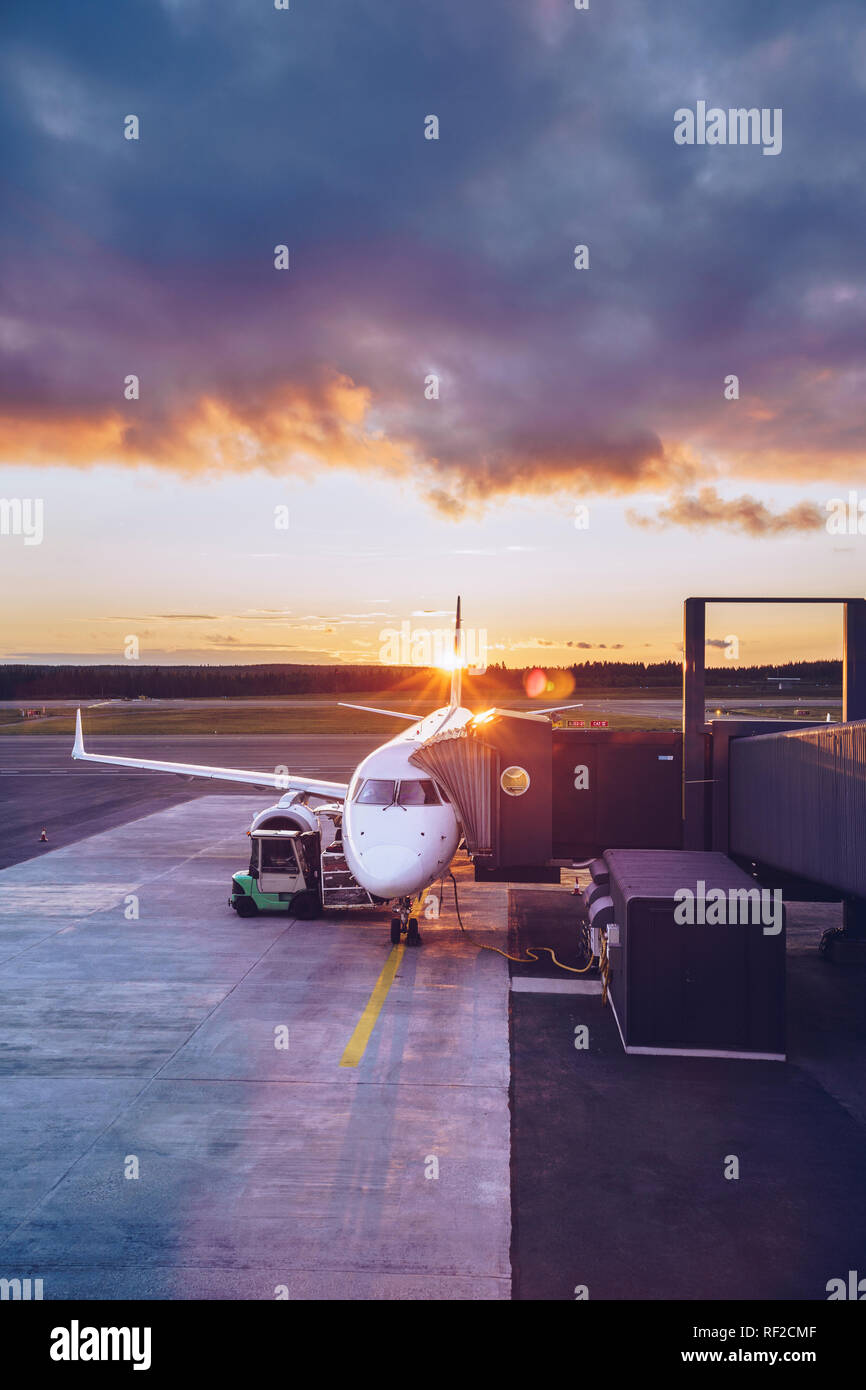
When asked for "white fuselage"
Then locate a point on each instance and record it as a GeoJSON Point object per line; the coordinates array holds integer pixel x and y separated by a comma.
{"type": "Point", "coordinates": [394, 847]}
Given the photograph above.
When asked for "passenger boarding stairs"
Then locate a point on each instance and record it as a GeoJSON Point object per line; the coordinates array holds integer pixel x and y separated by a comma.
{"type": "Point", "coordinates": [339, 886]}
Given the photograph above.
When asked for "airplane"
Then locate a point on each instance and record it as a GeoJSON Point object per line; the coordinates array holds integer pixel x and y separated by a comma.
{"type": "Point", "coordinates": [400, 831]}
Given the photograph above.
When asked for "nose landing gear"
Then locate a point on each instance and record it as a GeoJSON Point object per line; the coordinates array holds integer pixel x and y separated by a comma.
{"type": "Point", "coordinates": [406, 922]}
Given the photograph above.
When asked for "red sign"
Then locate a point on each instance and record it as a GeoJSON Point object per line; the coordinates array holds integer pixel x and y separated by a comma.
{"type": "Point", "coordinates": [598, 724]}
{"type": "Point", "coordinates": [577, 723]}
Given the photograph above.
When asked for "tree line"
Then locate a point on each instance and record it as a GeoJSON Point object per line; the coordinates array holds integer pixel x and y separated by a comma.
{"type": "Point", "coordinates": [131, 681]}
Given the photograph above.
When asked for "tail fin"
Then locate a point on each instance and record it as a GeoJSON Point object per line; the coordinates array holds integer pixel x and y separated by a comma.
{"type": "Point", "coordinates": [78, 746]}
{"type": "Point", "coordinates": [457, 669]}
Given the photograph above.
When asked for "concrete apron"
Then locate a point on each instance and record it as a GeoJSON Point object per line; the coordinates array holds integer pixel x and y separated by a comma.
{"type": "Point", "coordinates": [149, 1030]}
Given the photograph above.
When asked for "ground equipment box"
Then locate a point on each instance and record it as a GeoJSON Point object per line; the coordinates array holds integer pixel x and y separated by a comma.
{"type": "Point", "coordinates": [705, 976]}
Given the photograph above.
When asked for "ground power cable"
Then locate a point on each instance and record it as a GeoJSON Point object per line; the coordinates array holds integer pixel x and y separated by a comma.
{"type": "Point", "coordinates": [532, 958]}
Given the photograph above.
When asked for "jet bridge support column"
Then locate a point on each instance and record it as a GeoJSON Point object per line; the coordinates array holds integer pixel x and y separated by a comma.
{"type": "Point", "coordinates": [695, 787]}
{"type": "Point", "coordinates": [854, 659]}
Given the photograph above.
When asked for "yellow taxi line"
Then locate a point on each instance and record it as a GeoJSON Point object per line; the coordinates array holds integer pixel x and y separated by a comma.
{"type": "Point", "coordinates": [357, 1044]}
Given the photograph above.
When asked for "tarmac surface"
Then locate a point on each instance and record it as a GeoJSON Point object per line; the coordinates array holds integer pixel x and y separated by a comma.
{"type": "Point", "coordinates": [41, 785]}
{"type": "Point", "coordinates": [177, 1117]}
{"type": "Point", "coordinates": [152, 1038]}
{"type": "Point", "coordinates": [618, 1163]}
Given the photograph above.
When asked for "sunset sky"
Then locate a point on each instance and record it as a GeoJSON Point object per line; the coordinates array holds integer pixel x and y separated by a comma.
{"type": "Point", "coordinates": [304, 388]}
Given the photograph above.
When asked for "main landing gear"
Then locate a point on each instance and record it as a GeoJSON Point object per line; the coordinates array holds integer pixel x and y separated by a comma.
{"type": "Point", "coordinates": [406, 920]}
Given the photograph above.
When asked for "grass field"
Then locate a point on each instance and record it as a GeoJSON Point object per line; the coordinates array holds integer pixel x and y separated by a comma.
{"type": "Point", "coordinates": [282, 719]}
{"type": "Point", "coordinates": [323, 715]}
{"type": "Point", "coordinates": [233, 719]}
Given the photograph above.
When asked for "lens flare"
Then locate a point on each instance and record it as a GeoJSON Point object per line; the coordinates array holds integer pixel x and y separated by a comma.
{"type": "Point", "coordinates": [559, 684]}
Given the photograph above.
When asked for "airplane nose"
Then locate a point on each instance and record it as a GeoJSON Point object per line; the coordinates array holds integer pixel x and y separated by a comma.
{"type": "Point", "coordinates": [390, 871]}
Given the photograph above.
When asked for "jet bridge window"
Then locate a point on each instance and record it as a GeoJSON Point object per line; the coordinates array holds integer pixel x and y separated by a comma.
{"type": "Point", "coordinates": [376, 792]}
{"type": "Point", "coordinates": [420, 792]}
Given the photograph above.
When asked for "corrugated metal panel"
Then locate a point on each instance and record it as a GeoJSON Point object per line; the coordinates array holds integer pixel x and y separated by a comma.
{"type": "Point", "coordinates": [469, 771]}
{"type": "Point", "coordinates": [798, 803]}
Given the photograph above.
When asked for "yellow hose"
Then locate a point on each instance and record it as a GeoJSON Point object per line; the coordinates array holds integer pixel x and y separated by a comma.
{"type": "Point", "coordinates": [531, 958]}
{"type": "Point", "coordinates": [530, 955]}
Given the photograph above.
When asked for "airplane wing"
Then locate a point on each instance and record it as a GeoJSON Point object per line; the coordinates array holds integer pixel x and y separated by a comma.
{"type": "Point", "coordinates": [551, 709]}
{"type": "Point", "coordinates": [280, 780]}
{"type": "Point", "coordinates": [370, 709]}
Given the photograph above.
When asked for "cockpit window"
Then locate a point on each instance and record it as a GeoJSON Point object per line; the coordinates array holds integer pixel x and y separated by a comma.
{"type": "Point", "coordinates": [418, 793]}
{"type": "Point", "coordinates": [375, 792]}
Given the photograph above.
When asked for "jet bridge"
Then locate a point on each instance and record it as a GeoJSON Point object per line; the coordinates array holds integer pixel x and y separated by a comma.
{"type": "Point", "coordinates": [532, 798]}
{"type": "Point", "coordinates": [497, 771]}
{"type": "Point", "coordinates": [797, 813]}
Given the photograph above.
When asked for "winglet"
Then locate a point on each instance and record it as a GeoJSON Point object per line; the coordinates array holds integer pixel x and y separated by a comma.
{"type": "Point", "coordinates": [78, 745]}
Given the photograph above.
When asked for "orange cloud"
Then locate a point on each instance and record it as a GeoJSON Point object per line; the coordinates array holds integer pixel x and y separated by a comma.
{"type": "Point", "coordinates": [332, 421]}
{"type": "Point", "coordinates": [315, 425]}
{"type": "Point", "coordinates": [745, 513]}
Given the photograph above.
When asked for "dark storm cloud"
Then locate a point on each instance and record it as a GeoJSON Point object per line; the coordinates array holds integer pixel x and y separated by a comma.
{"type": "Point", "coordinates": [453, 257]}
